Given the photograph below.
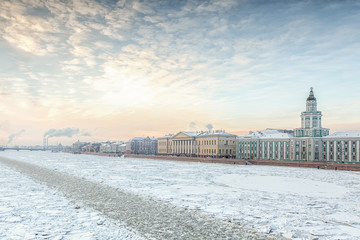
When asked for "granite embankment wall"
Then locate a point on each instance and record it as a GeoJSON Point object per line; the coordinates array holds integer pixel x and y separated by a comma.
{"type": "Point", "coordinates": [319, 165]}
{"type": "Point", "coordinates": [101, 154]}
{"type": "Point", "coordinates": [190, 159]}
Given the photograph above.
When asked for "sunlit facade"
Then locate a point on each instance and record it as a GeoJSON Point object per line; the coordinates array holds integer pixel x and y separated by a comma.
{"type": "Point", "coordinates": [216, 144]}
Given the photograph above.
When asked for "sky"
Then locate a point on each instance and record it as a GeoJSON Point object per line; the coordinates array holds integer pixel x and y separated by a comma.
{"type": "Point", "coordinates": [111, 70]}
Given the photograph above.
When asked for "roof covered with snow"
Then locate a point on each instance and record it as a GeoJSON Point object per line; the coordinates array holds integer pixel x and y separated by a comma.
{"type": "Point", "coordinates": [201, 134]}
{"type": "Point", "coordinates": [349, 134]}
{"type": "Point", "coordinates": [142, 138]}
{"type": "Point", "coordinates": [268, 133]}
{"type": "Point", "coordinates": [191, 134]}
{"type": "Point", "coordinates": [216, 133]}
{"type": "Point", "coordinates": [167, 136]}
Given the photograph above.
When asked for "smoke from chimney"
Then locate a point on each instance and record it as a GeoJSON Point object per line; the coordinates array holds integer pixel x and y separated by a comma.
{"type": "Point", "coordinates": [209, 127]}
{"type": "Point", "coordinates": [65, 132]}
{"type": "Point", "coordinates": [192, 125]}
{"type": "Point", "coordinates": [15, 135]}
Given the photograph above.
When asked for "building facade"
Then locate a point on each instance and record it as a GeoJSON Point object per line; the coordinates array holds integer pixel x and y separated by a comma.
{"type": "Point", "coordinates": [342, 147]}
{"type": "Point", "coordinates": [311, 142]}
{"type": "Point", "coordinates": [215, 144]}
{"type": "Point", "coordinates": [164, 144]}
{"type": "Point", "coordinates": [141, 145]}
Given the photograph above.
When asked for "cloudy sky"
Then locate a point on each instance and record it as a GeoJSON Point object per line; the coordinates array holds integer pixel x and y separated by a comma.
{"type": "Point", "coordinates": [113, 70]}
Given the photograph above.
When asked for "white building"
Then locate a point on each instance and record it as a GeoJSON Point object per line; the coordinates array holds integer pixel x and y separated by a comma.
{"type": "Point", "coordinates": [311, 142]}
{"type": "Point", "coordinates": [342, 147]}
{"type": "Point", "coordinates": [269, 144]}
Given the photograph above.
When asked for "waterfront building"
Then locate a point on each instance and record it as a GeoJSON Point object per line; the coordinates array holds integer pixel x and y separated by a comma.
{"type": "Point", "coordinates": [183, 144]}
{"type": "Point", "coordinates": [269, 144]}
{"type": "Point", "coordinates": [77, 147]}
{"type": "Point", "coordinates": [198, 144]}
{"type": "Point", "coordinates": [311, 142]}
{"type": "Point", "coordinates": [92, 147]}
{"type": "Point", "coordinates": [217, 144]}
{"type": "Point", "coordinates": [164, 144]}
{"type": "Point", "coordinates": [141, 145]}
{"type": "Point", "coordinates": [111, 147]}
{"type": "Point", "coordinates": [342, 147]}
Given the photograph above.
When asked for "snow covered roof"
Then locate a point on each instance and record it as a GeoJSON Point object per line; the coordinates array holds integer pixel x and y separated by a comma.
{"type": "Point", "coordinates": [167, 136]}
{"type": "Point", "coordinates": [191, 134]}
{"type": "Point", "coordinates": [223, 134]}
{"type": "Point", "coordinates": [349, 134]}
{"type": "Point", "coordinates": [268, 133]}
{"type": "Point", "coordinates": [201, 134]}
{"type": "Point", "coordinates": [142, 138]}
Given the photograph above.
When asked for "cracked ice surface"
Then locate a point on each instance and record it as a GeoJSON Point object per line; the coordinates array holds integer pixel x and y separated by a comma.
{"type": "Point", "coordinates": [298, 203]}
{"type": "Point", "coordinates": [32, 211]}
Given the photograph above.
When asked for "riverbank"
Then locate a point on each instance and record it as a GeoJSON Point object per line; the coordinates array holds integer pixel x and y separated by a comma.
{"type": "Point", "coordinates": [318, 165]}
{"type": "Point", "coordinates": [303, 164]}
{"type": "Point", "coordinates": [190, 159]}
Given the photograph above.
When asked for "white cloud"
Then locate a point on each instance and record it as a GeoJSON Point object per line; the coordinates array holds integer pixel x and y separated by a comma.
{"type": "Point", "coordinates": [88, 7]}
{"type": "Point", "coordinates": [142, 7]}
{"type": "Point", "coordinates": [33, 34]}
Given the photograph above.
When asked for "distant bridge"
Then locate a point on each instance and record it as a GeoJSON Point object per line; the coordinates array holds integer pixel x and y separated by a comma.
{"type": "Point", "coordinates": [22, 148]}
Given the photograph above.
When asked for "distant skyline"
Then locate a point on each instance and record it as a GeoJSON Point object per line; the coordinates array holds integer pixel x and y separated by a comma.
{"type": "Point", "coordinates": [113, 70]}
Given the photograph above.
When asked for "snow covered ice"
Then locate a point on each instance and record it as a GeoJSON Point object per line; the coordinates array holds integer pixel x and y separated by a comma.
{"type": "Point", "coordinates": [32, 211]}
{"type": "Point", "coordinates": [296, 203]}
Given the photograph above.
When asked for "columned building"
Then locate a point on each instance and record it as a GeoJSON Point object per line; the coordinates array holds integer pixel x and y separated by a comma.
{"type": "Point", "coordinates": [199, 144]}
{"type": "Point", "coordinates": [311, 142]}
{"type": "Point", "coordinates": [342, 147]}
{"type": "Point", "coordinates": [269, 144]}
{"type": "Point", "coordinates": [183, 143]}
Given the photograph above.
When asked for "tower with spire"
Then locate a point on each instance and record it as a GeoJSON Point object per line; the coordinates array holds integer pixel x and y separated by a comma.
{"type": "Point", "coordinates": [311, 120]}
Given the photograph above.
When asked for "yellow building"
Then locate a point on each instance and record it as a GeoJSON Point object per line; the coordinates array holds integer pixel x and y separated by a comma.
{"type": "Point", "coordinates": [199, 144]}
{"type": "Point", "coordinates": [216, 144]}
{"type": "Point", "coordinates": [164, 144]}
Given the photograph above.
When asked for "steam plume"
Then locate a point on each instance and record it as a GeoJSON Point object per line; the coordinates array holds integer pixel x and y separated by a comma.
{"type": "Point", "coordinates": [65, 132]}
{"type": "Point", "coordinates": [192, 125]}
{"type": "Point", "coordinates": [15, 135]}
{"type": "Point", "coordinates": [209, 127]}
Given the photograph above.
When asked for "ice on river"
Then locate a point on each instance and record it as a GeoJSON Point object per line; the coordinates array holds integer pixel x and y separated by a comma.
{"type": "Point", "coordinates": [297, 203]}
{"type": "Point", "coordinates": [29, 210]}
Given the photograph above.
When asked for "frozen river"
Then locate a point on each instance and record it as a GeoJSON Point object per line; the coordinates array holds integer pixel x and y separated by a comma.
{"type": "Point", "coordinates": [295, 203]}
